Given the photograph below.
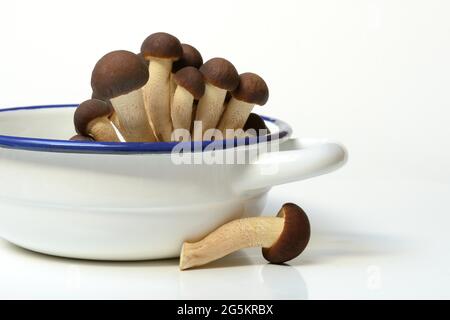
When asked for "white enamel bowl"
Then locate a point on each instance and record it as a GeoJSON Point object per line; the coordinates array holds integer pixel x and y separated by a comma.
{"type": "Point", "coordinates": [118, 201]}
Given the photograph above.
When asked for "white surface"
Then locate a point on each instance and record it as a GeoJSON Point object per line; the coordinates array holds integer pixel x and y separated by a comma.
{"type": "Point", "coordinates": [372, 74]}
{"type": "Point", "coordinates": [361, 247]}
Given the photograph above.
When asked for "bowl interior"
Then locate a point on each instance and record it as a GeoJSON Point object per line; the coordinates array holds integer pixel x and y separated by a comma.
{"type": "Point", "coordinates": [41, 123]}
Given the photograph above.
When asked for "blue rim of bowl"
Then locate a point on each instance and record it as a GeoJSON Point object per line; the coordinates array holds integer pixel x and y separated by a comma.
{"type": "Point", "coordinates": [67, 146]}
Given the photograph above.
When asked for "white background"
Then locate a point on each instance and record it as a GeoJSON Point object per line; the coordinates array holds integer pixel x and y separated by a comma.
{"type": "Point", "coordinates": [372, 74]}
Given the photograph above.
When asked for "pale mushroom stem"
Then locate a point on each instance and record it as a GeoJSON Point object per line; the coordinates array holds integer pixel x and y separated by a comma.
{"type": "Point", "coordinates": [181, 109]}
{"type": "Point", "coordinates": [103, 130]}
{"type": "Point", "coordinates": [173, 87]}
{"type": "Point", "coordinates": [210, 107]}
{"type": "Point", "coordinates": [115, 120]}
{"type": "Point", "coordinates": [116, 124]}
{"type": "Point", "coordinates": [157, 98]}
{"type": "Point", "coordinates": [235, 115]}
{"type": "Point", "coordinates": [233, 236]}
{"type": "Point", "coordinates": [132, 119]}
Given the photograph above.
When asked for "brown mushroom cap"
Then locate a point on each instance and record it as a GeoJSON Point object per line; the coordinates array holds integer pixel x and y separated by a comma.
{"type": "Point", "coordinates": [118, 73]}
{"type": "Point", "coordinates": [141, 55]}
{"type": "Point", "coordinates": [220, 73]}
{"type": "Point", "coordinates": [90, 110]}
{"type": "Point", "coordinates": [79, 137]}
{"type": "Point", "coordinates": [95, 96]}
{"type": "Point", "coordinates": [192, 80]}
{"type": "Point", "coordinates": [191, 58]}
{"type": "Point", "coordinates": [256, 123]}
{"type": "Point", "coordinates": [161, 45]}
{"type": "Point", "coordinates": [252, 89]}
{"type": "Point", "coordinates": [294, 237]}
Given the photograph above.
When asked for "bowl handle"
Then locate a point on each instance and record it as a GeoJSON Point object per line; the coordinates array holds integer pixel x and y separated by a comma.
{"type": "Point", "coordinates": [297, 159]}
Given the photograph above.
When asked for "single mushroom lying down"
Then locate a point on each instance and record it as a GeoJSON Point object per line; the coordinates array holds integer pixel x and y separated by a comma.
{"type": "Point", "coordinates": [282, 238]}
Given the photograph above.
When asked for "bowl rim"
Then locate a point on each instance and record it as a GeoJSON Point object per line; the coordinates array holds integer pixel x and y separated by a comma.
{"type": "Point", "coordinates": [68, 146]}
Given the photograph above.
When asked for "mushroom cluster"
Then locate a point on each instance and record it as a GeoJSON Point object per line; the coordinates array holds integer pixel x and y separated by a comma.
{"type": "Point", "coordinates": [166, 92]}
